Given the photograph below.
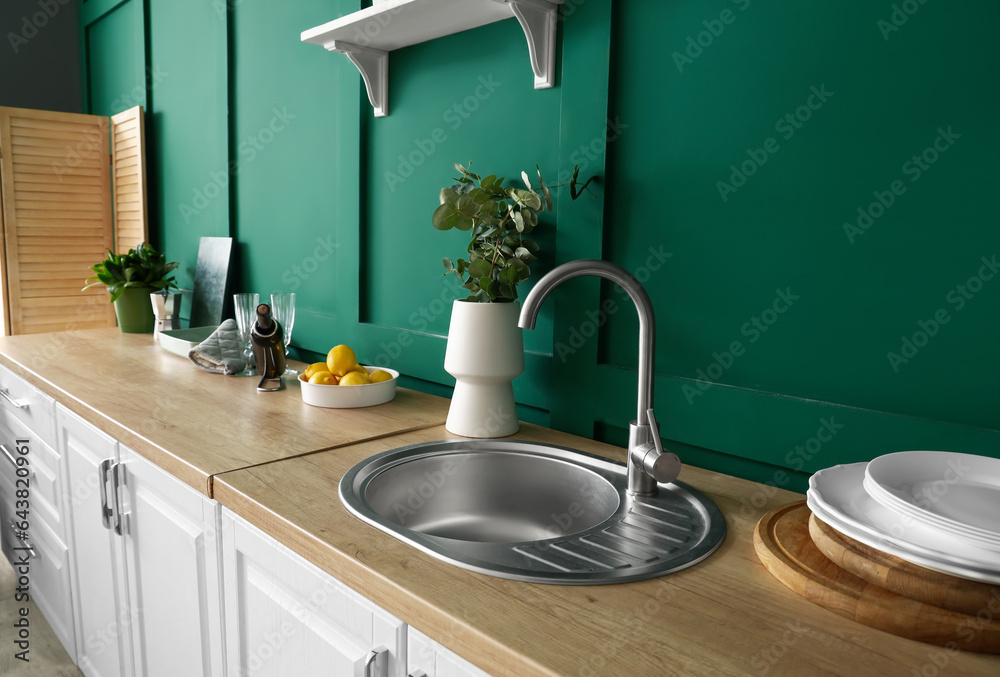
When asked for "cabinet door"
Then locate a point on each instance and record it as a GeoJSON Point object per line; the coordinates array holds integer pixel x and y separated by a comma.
{"type": "Point", "coordinates": [427, 658]}
{"type": "Point", "coordinates": [284, 616]}
{"type": "Point", "coordinates": [100, 605]}
{"type": "Point", "coordinates": [172, 567]}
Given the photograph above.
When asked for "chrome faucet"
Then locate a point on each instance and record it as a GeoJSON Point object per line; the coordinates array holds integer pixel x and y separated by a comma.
{"type": "Point", "coordinates": [648, 463]}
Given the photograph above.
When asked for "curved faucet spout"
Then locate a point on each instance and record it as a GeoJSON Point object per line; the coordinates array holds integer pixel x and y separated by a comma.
{"type": "Point", "coordinates": [625, 280]}
{"type": "Point", "coordinates": [648, 462]}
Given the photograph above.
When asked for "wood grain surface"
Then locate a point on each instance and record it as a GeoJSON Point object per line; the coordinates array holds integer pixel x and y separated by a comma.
{"type": "Point", "coordinates": [192, 423]}
{"type": "Point", "coordinates": [902, 577]}
{"type": "Point", "coordinates": [784, 545]}
{"type": "Point", "coordinates": [725, 616]}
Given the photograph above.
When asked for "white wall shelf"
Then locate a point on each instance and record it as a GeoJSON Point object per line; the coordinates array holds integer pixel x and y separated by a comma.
{"type": "Point", "coordinates": [367, 37]}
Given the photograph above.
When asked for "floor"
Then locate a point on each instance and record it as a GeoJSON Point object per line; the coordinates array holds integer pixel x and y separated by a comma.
{"type": "Point", "coordinates": [48, 657]}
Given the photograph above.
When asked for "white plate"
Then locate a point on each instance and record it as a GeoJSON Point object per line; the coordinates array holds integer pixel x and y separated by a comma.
{"type": "Point", "coordinates": [891, 502]}
{"type": "Point", "coordinates": [947, 489]}
{"type": "Point", "coordinates": [838, 497]}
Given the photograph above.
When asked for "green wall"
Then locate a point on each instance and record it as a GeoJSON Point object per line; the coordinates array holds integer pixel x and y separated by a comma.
{"type": "Point", "coordinates": [736, 142]}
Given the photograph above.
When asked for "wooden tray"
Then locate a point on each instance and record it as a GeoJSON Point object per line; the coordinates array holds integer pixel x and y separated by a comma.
{"type": "Point", "coordinates": [902, 577]}
{"type": "Point", "coordinates": [785, 548]}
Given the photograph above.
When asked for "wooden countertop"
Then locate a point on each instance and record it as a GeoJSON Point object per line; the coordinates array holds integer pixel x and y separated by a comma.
{"type": "Point", "coordinates": [725, 616]}
{"type": "Point", "coordinates": [189, 422]}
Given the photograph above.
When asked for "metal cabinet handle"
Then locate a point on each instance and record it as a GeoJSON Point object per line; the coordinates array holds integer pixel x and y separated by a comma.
{"type": "Point", "coordinates": [13, 461]}
{"type": "Point", "coordinates": [10, 456]}
{"type": "Point", "coordinates": [116, 483]}
{"type": "Point", "coordinates": [374, 664]}
{"type": "Point", "coordinates": [24, 544]}
{"type": "Point", "coordinates": [102, 480]}
{"type": "Point", "coordinates": [416, 673]}
{"type": "Point", "coordinates": [17, 404]}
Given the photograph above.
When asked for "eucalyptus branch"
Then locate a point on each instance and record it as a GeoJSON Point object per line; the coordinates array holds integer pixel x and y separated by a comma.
{"type": "Point", "coordinates": [499, 218]}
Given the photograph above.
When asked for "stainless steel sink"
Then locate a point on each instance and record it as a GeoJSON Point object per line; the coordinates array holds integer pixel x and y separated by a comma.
{"type": "Point", "coordinates": [531, 512]}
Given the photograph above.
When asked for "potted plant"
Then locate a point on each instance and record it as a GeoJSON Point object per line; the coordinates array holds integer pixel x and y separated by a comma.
{"type": "Point", "coordinates": [485, 351]}
{"type": "Point", "coordinates": [130, 278]}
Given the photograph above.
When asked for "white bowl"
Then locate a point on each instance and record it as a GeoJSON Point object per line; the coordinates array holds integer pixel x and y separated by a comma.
{"type": "Point", "coordinates": [350, 397]}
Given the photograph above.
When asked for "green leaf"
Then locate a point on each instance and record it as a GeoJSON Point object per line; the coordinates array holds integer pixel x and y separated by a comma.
{"type": "Point", "coordinates": [525, 198]}
{"type": "Point", "coordinates": [518, 221]}
{"type": "Point", "coordinates": [479, 268]}
{"type": "Point", "coordinates": [449, 265]}
{"type": "Point", "coordinates": [482, 297]}
{"type": "Point", "coordinates": [448, 196]}
{"type": "Point", "coordinates": [524, 177]}
{"type": "Point", "coordinates": [523, 272]}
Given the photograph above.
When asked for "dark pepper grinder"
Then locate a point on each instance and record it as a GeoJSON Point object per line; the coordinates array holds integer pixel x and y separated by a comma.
{"type": "Point", "coordinates": [268, 349]}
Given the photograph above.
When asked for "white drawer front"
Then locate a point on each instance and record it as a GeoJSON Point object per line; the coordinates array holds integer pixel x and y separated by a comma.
{"type": "Point", "coordinates": [45, 475]}
{"type": "Point", "coordinates": [25, 403]}
{"type": "Point", "coordinates": [50, 584]}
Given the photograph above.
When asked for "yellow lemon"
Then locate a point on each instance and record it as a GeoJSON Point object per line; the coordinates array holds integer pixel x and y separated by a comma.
{"type": "Point", "coordinates": [358, 368]}
{"type": "Point", "coordinates": [340, 360]}
{"type": "Point", "coordinates": [354, 378]}
{"type": "Point", "coordinates": [380, 376]}
{"type": "Point", "coordinates": [313, 368]}
{"type": "Point", "coordinates": [323, 378]}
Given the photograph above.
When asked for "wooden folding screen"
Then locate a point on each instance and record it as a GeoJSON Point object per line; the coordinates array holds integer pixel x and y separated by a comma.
{"type": "Point", "coordinates": [56, 190]}
{"type": "Point", "coordinates": [128, 159]}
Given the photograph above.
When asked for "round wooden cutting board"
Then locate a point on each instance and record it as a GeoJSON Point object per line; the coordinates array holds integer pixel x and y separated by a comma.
{"type": "Point", "coordinates": [786, 549]}
{"type": "Point", "coordinates": [902, 577]}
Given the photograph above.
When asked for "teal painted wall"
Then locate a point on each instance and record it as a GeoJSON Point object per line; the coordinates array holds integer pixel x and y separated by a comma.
{"type": "Point", "coordinates": [736, 142]}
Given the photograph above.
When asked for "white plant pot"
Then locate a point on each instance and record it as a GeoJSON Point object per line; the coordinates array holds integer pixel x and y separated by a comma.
{"type": "Point", "coordinates": [485, 353]}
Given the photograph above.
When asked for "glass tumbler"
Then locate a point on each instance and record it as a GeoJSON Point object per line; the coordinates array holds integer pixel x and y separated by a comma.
{"type": "Point", "coordinates": [246, 315]}
{"type": "Point", "coordinates": [283, 308]}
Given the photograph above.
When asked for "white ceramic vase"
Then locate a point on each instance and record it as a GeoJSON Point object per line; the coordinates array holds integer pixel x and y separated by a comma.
{"type": "Point", "coordinates": [485, 353]}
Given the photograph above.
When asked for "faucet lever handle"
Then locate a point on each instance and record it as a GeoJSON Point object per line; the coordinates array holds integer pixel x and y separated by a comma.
{"type": "Point", "coordinates": [663, 466]}
{"type": "Point", "coordinates": [654, 430]}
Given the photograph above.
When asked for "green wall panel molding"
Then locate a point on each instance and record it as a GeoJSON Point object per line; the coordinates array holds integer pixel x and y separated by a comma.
{"type": "Point", "coordinates": [757, 174]}
{"type": "Point", "coordinates": [92, 10]}
{"type": "Point", "coordinates": [845, 129]}
{"type": "Point", "coordinates": [187, 129]}
{"type": "Point", "coordinates": [295, 129]}
{"type": "Point", "coordinates": [114, 53]}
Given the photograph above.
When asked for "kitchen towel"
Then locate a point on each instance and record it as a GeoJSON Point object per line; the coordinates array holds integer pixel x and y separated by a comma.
{"type": "Point", "coordinates": [221, 352]}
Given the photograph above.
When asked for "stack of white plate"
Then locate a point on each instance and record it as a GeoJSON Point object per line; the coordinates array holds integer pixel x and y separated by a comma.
{"type": "Point", "coordinates": [936, 509]}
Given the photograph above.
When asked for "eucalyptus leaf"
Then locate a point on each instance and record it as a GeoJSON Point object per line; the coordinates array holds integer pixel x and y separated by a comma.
{"type": "Point", "coordinates": [519, 221]}
{"type": "Point", "coordinates": [479, 268]}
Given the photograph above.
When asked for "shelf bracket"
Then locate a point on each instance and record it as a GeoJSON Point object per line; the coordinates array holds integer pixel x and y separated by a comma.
{"type": "Point", "coordinates": [538, 19]}
{"type": "Point", "coordinates": [373, 64]}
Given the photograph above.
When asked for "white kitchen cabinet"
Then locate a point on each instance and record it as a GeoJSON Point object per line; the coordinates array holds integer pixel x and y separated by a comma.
{"type": "Point", "coordinates": [425, 657]}
{"type": "Point", "coordinates": [172, 568]}
{"type": "Point", "coordinates": [145, 562]}
{"type": "Point", "coordinates": [100, 597]}
{"type": "Point", "coordinates": [33, 497]}
{"type": "Point", "coordinates": [285, 616]}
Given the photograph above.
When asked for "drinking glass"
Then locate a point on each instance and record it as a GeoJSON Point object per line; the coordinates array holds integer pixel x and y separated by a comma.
{"type": "Point", "coordinates": [246, 315]}
{"type": "Point", "coordinates": [283, 309]}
